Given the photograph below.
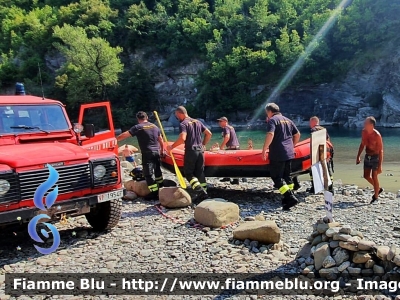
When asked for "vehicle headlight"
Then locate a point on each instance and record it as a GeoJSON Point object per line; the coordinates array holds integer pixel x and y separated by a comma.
{"type": "Point", "coordinates": [4, 186]}
{"type": "Point", "coordinates": [99, 172]}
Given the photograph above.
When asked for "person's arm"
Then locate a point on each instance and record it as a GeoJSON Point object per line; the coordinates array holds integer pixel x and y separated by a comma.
{"type": "Point", "coordinates": [360, 149]}
{"type": "Point", "coordinates": [380, 148]}
{"type": "Point", "coordinates": [129, 133]}
{"type": "Point", "coordinates": [225, 140]}
{"type": "Point", "coordinates": [123, 136]}
{"type": "Point", "coordinates": [295, 134]}
{"type": "Point", "coordinates": [207, 136]}
{"type": "Point", "coordinates": [181, 139]}
{"type": "Point", "coordinates": [161, 142]}
{"type": "Point", "coordinates": [296, 138]}
{"type": "Point", "coordinates": [268, 138]}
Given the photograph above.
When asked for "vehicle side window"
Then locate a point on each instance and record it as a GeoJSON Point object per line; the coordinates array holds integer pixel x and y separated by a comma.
{"type": "Point", "coordinates": [98, 117]}
{"type": "Point", "coordinates": [7, 120]}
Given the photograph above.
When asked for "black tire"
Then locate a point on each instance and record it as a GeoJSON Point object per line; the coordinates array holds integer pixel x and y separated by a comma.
{"type": "Point", "coordinates": [105, 215]}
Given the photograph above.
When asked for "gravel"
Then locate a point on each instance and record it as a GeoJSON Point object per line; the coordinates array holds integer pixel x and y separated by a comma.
{"type": "Point", "coordinates": [145, 241]}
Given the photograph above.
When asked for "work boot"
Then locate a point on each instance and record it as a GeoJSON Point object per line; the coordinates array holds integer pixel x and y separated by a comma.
{"type": "Point", "coordinates": [330, 189]}
{"type": "Point", "coordinates": [200, 194]}
{"type": "Point", "coordinates": [225, 180]}
{"type": "Point", "coordinates": [296, 184]}
{"type": "Point", "coordinates": [289, 200]}
{"type": "Point", "coordinates": [311, 189]}
{"type": "Point", "coordinates": [235, 181]}
{"type": "Point", "coordinates": [151, 196]}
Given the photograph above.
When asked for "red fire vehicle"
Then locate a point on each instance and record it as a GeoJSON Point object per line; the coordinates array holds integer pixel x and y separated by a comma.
{"type": "Point", "coordinates": [35, 132]}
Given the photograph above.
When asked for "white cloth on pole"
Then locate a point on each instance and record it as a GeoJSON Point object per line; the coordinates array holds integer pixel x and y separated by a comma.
{"type": "Point", "coordinates": [318, 177]}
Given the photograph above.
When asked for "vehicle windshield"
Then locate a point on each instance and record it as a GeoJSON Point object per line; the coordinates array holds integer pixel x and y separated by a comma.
{"type": "Point", "coordinates": [15, 119]}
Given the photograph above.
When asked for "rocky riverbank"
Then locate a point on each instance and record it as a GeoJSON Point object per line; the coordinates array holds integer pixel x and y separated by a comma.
{"type": "Point", "coordinates": [147, 241]}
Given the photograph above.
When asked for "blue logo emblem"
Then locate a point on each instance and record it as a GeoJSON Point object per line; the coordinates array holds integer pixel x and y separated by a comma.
{"type": "Point", "coordinates": [38, 201]}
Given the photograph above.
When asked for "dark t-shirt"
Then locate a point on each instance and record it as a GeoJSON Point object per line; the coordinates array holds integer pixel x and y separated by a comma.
{"type": "Point", "coordinates": [147, 134]}
{"type": "Point", "coordinates": [281, 148]}
{"type": "Point", "coordinates": [233, 140]}
{"type": "Point", "coordinates": [194, 129]}
{"type": "Point", "coordinates": [318, 127]}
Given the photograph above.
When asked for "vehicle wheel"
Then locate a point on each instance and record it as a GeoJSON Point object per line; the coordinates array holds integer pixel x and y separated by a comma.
{"type": "Point", "coordinates": [105, 215]}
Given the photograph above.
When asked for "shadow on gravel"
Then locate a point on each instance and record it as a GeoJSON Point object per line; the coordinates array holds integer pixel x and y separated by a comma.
{"type": "Point", "coordinates": [17, 245]}
{"type": "Point", "coordinates": [148, 211]}
{"type": "Point", "coordinates": [246, 196]}
{"type": "Point", "coordinates": [352, 204]}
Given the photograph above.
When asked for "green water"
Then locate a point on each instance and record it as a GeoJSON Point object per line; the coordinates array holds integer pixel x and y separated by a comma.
{"type": "Point", "coordinates": [346, 143]}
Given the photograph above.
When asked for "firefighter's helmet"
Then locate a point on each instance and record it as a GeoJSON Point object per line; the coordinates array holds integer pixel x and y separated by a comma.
{"type": "Point", "coordinates": [137, 174]}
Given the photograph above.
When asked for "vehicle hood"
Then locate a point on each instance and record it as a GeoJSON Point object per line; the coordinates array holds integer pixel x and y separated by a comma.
{"type": "Point", "coordinates": [23, 155]}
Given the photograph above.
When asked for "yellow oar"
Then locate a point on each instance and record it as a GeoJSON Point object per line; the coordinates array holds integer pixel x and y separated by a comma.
{"type": "Point", "coordinates": [177, 171]}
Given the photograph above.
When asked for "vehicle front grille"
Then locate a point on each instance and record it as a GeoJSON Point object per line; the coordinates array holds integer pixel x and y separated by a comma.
{"type": "Point", "coordinates": [111, 166]}
{"type": "Point", "coordinates": [13, 193]}
{"type": "Point", "coordinates": [72, 178]}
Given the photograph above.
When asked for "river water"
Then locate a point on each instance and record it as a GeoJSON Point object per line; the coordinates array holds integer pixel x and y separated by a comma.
{"type": "Point", "coordinates": [346, 143]}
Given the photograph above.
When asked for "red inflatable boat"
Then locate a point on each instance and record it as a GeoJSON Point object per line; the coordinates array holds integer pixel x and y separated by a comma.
{"type": "Point", "coordinates": [242, 163]}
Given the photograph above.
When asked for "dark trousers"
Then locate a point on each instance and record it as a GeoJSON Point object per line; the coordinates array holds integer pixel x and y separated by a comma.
{"type": "Point", "coordinates": [194, 168]}
{"type": "Point", "coordinates": [280, 174]}
{"type": "Point", "coordinates": [152, 170]}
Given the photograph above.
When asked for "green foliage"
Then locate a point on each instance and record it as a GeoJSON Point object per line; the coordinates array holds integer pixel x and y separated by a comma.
{"type": "Point", "coordinates": [92, 64]}
{"type": "Point", "coordinates": [135, 92]}
{"type": "Point", "coordinates": [243, 44]}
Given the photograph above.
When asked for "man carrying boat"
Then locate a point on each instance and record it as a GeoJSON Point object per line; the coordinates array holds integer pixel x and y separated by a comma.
{"type": "Point", "coordinates": [151, 145]}
{"type": "Point", "coordinates": [191, 131]}
{"type": "Point", "coordinates": [314, 126]}
{"type": "Point", "coordinates": [229, 140]}
{"type": "Point", "coordinates": [282, 136]}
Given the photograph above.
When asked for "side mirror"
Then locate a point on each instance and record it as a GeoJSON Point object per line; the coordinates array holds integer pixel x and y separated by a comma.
{"type": "Point", "coordinates": [89, 130]}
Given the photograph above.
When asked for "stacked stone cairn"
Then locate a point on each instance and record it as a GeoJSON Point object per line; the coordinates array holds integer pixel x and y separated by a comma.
{"type": "Point", "coordinates": [339, 252]}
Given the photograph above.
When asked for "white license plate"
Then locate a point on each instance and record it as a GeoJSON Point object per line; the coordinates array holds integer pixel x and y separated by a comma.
{"type": "Point", "coordinates": [110, 196]}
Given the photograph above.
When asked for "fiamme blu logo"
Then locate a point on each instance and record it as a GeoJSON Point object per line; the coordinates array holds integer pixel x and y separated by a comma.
{"type": "Point", "coordinates": [50, 200]}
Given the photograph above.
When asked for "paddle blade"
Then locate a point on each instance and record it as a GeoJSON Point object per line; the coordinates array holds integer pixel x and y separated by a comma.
{"type": "Point", "coordinates": [181, 180]}
{"type": "Point", "coordinates": [178, 173]}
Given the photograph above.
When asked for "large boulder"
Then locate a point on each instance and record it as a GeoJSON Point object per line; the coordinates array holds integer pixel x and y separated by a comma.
{"type": "Point", "coordinates": [382, 252]}
{"type": "Point", "coordinates": [361, 257]}
{"type": "Point", "coordinates": [174, 197]}
{"type": "Point", "coordinates": [266, 232]}
{"type": "Point", "coordinates": [130, 195]}
{"type": "Point", "coordinates": [139, 187]}
{"type": "Point", "coordinates": [322, 251]}
{"type": "Point", "coordinates": [216, 213]}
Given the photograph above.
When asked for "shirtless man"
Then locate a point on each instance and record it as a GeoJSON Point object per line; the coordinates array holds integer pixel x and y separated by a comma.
{"type": "Point", "coordinates": [128, 155]}
{"type": "Point", "coordinates": [371, 140]}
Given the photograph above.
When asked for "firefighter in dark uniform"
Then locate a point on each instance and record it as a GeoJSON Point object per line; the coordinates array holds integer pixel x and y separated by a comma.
{"type": "Point", "coordinates": [314, 126]}
{"type": "Point", "coordinates": [229, 142]}
{"type": "Point", "coordinates": [151, 145]}
{"type": "Point", "coordinates": [191, 131]}
{"type": "Point", "coordinates": [282, 136]}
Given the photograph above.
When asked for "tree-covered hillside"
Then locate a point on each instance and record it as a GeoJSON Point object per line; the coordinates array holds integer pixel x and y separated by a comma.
{"type": "Point", "coordinates": [244, 43]}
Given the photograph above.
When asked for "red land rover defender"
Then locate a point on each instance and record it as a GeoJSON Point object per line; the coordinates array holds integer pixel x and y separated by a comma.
{"type": "Point", "coordinates": [35, 132]}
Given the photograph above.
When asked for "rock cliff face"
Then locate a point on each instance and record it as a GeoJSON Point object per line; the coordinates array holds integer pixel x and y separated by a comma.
{"type": "Point", "coordinates": [174, 86]}
{"type": "Point", "coordinates": [370, 88]}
